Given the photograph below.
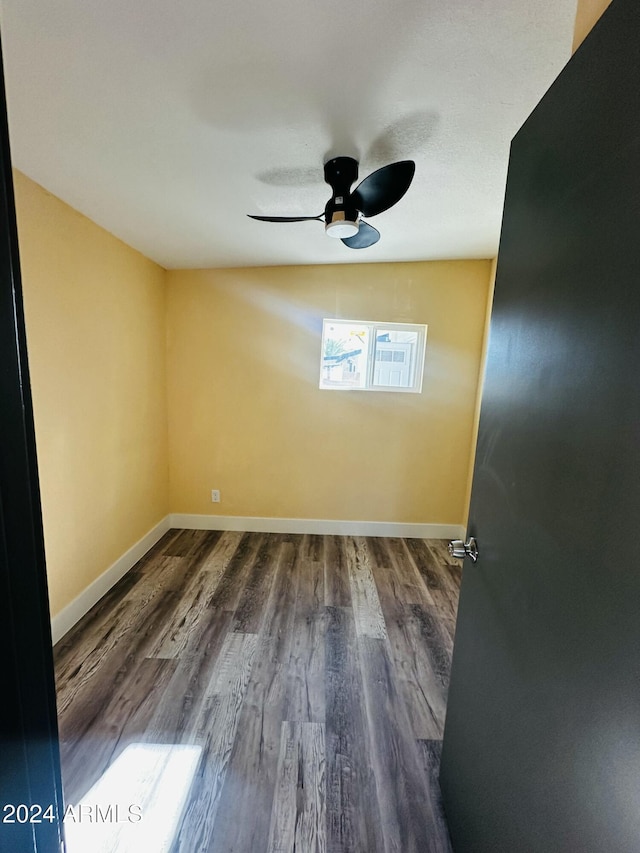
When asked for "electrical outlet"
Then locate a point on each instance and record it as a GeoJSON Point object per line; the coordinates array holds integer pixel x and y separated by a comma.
{"type": "Point", "coordinates": [215, 496]}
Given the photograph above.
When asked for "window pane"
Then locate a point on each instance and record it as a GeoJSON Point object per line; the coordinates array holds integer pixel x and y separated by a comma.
{"type": "Point", "coordinates": [369, 356]}
{"type": "Point", "coordinates": [395, 358]}
{"type": "Point", "coordinates": [344, 355]}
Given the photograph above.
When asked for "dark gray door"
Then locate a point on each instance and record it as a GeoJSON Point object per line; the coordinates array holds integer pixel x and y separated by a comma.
{"type": "Point", "coordinates": [542, 739]}
{"type": "Point", "coordinates": [30, 785]}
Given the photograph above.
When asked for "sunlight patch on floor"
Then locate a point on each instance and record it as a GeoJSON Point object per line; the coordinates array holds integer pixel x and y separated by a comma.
{"type": "Point", "coordinates": [136, 804]}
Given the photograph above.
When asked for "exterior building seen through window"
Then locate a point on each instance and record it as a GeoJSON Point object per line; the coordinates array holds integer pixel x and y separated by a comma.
{"type": "Point", "coordinates": [366, 356]}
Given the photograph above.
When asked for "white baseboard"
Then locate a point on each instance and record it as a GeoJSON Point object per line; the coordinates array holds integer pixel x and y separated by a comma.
{"type": "Point", "coordinates": [73, 612]}
{"type": "Point", "coordinates": [317, 525]}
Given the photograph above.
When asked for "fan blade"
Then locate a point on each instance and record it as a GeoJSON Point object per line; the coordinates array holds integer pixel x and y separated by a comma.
{"type": "Point", "coordinates": [285, 218]}
{"type": "Point", "coordinates": [367, 235]}
{"type": "Point", "coordinates": [383, 188]}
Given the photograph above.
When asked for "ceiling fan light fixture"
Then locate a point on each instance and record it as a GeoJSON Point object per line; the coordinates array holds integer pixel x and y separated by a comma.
{"type": "Point", "coordinates": [340, 227]}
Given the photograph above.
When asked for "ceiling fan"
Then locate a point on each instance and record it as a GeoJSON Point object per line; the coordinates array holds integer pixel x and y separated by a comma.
{"type": "Point", "coordinates": [375, 194]}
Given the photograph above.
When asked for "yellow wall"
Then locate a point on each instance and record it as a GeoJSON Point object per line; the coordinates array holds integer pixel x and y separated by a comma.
{"type": "Point", "coordinates": [246, 415]}
{"type": "Point", "coordinates": [95, 313]}
{"type": "Point", "coordinates": [587, 14]}
{"type": "Point", "coordinates": [480, 386]}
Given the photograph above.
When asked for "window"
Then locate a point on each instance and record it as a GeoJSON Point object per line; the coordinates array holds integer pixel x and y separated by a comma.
{"type": "Point", "coordinates": [372, 356]}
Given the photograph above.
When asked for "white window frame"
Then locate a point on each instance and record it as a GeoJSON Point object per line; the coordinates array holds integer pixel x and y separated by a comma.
{"type": "Point", "coordinates": [374, 328]}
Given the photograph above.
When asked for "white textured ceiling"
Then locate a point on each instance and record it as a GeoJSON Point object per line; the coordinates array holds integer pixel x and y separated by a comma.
{"type": "Point", "coordinates": [166, 122]}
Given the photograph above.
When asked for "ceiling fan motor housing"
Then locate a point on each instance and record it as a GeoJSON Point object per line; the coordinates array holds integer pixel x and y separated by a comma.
{"type": "Point", "coordinates": [340, 214]}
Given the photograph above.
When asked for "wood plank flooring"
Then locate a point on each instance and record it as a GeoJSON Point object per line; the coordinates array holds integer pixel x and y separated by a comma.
{"type": "Point", "coordinates": [300, 680]}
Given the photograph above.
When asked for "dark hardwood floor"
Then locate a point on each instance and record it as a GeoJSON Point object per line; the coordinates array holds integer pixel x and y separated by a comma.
{"type": "Point", "coordinates": [261, 692]}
